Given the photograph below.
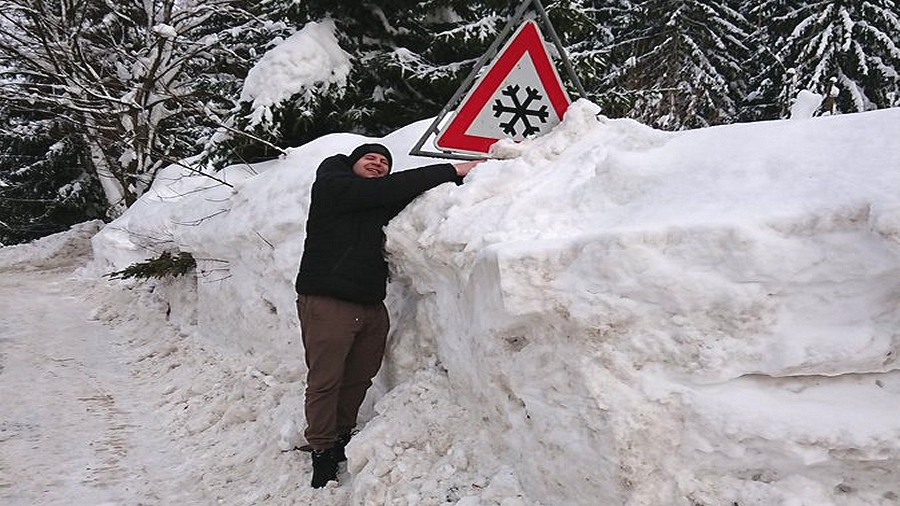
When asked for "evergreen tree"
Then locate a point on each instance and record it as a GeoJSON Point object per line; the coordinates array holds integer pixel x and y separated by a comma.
{"type": "Point", "coordinates": [678, 63]}
{"type": "Point", "coordinates": [584, 28]}
{"type": "Point", "coordinates": [43, 185]}
{"type": "Point", "coordinates": [843, 49]}
{"type": "Point", "coordinates": [771, 88]}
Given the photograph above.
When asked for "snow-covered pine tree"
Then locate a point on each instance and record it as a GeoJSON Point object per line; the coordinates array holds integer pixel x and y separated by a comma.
{"type": "Point", "coordinates": [771, 87]}
{"type": "Point", "coordinates": [585, 31]}
{"type": "Point", "coordinates": [678, 63]}
{"type": "Point", "coordinates": [842, 49]}
{"type": "Point", "coordinates": [43, 185]}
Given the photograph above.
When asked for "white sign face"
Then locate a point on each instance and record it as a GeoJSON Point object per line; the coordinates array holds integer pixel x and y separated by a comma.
{"type": "Point", "coordinates": [518, 109]}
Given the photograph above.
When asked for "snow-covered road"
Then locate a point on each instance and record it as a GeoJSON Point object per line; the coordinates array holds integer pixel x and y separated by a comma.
{"type": "Point", "coordinates": [76, 426]}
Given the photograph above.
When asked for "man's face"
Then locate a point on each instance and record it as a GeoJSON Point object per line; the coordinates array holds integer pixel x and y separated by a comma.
{"type": "Point", "coordinates": [372, 165]}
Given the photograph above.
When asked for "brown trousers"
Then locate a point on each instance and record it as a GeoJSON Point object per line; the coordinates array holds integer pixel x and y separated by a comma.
{"type": "Point", "coordinates": [344, 344]}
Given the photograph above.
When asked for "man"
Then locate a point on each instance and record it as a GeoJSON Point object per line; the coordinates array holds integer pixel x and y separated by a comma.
{"type": "Point", "coordinates": [341, 287]}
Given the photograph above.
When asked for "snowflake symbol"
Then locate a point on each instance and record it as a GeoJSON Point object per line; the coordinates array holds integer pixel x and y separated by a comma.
{"type": "Point", "coordinates": [520, 111]}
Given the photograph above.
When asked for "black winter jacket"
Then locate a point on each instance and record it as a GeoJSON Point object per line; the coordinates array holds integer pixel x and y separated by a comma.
{"type": "Point", "coordinates": [343, 254]}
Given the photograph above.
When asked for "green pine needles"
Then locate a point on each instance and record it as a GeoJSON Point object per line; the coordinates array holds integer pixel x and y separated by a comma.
{"type": "Point", "coordinates": [166, 264]}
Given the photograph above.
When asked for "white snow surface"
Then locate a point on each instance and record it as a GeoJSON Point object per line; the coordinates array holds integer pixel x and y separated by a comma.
{"type": "Point", "coordinates": [617, 316]}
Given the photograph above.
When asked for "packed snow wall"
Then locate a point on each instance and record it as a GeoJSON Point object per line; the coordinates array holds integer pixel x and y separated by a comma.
{"type": "Point", "coordinates": [703, 318]}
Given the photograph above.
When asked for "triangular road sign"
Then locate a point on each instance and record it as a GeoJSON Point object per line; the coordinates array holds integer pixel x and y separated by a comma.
{"type": "Point", "coordinates": [519, 95]}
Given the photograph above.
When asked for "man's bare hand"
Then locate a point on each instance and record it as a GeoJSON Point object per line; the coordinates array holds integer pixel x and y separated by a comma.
{"type": "Point", "coordinates": [462, 169]}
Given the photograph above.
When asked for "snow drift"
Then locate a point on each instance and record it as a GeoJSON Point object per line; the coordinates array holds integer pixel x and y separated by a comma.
{"type": "Point", "coordinates": [618, 315]}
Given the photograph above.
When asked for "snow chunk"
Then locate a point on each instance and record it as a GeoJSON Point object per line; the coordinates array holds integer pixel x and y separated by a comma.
{"type": "Point", "coordinates": [805, 104]}
{"type": "Point", "coordinates": [306, 58]}
{"type": "Point", "coordinates": [165, 31]}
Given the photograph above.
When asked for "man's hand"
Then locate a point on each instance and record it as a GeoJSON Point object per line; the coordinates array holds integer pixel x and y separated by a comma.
{"type": "Point", "coordinates": [463, 168]}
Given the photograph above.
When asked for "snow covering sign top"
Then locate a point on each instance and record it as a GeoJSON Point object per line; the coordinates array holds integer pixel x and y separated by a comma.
{"type": "Point", "coordinates": [519, 95]}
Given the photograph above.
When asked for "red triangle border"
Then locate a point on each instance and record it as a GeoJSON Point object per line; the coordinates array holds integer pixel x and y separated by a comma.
{"type": "Point", "coordinates": [527, 40]}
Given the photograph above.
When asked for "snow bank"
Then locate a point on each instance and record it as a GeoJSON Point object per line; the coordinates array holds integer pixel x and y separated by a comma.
{"type": "Point", "coordinates": [57, 251]}
{"type": "Point", "coordinates": [693, 318]}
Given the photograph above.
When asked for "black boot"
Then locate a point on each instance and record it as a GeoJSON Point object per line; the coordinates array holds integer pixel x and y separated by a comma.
{"type": "Point", "coordinates": [325, 467]}
{"type": "Point", "coordinates": [339, 455]}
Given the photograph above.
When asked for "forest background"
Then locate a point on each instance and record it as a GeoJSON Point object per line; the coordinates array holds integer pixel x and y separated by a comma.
{"type": "Point", "coordinates": [97, 96]}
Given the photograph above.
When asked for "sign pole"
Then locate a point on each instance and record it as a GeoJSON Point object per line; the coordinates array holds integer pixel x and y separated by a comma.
{"type": "Point", "coordinates": [559, 47]}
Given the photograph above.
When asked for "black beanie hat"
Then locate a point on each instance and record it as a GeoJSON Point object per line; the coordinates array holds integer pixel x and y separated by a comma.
{"type": "Point", "coordinates": [371, 148]}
